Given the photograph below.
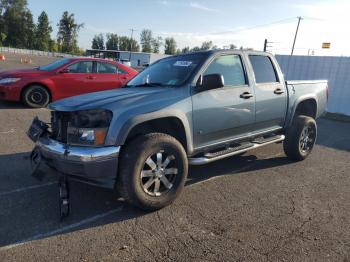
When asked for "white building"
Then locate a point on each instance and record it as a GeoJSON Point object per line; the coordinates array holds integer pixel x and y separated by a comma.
{"type": "Point", "coordinates": [137, 59]}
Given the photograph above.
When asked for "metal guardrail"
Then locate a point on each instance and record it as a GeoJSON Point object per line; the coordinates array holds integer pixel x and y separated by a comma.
{"type": "Point", "coordinates": [33, 52]}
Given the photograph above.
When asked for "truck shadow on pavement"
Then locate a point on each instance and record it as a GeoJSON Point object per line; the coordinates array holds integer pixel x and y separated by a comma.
{"type": "Point", "coordinates": [29, 208]}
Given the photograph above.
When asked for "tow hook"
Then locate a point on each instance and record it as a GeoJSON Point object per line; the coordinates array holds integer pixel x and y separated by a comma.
{"type": "Point", "coordinates": [64, 205]}
{"type": "Point", "coordinates": [35, 164]}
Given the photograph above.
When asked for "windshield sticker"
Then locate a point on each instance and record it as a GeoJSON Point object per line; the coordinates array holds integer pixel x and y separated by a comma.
{"type": "Point", "coordinates": [183, 63]}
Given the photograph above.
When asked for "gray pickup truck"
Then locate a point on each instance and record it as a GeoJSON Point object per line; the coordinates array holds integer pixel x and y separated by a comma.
{"type": "Point", "coordinates": [194, 109]}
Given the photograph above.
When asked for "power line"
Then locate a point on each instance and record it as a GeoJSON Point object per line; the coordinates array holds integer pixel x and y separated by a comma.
{"type": "Point", "coordinates": [283, 21]}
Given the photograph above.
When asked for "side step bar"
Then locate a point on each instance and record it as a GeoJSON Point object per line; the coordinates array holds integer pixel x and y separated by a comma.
{"type": "Point", "coordinates": [211, 157]}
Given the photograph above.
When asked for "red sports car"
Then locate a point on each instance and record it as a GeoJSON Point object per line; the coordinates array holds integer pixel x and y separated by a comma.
{"type": "Point", "coordinates": [63, 78]}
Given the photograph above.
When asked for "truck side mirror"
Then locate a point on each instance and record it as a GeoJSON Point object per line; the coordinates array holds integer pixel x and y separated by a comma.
{"type": "Point", "coordinates": [212, 81]}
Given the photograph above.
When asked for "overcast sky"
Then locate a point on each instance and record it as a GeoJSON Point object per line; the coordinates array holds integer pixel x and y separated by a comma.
{"type": "Point", "coordinates": [243, 23]}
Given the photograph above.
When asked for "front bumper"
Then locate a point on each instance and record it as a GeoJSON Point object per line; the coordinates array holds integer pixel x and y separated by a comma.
{"type": "Point", "coordinates": [92, 165]}
{"type": "Point", "coordinates": [10, 92]}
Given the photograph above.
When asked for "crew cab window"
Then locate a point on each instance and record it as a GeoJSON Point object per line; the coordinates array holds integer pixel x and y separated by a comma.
{"type": "Point", "coordinates": [264, 70]}
{"type": "Point", "coordinates": [106, 68]}
{"type": "Point", "coordinates": [230, 66]}
{"type": "Point", "coordinates": [81, 67]}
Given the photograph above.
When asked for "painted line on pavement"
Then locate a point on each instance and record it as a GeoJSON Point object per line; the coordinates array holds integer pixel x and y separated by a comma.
{"type": "Point", "coordinates": [62, 229]}
{"type": "Point", "coordinates": [26, 189]}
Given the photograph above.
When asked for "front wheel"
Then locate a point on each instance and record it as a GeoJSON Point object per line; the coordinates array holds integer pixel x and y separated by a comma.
{"type": "Point", "coordinates": [300, 138]}
{"type": "Point", "coordinates": [36, 96]}
{"type": "Point", "coordinates": [153, 171]}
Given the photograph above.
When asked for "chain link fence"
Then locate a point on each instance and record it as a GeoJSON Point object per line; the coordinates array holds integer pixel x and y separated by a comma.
{"type": "Point", "coordinates": [33, 52]}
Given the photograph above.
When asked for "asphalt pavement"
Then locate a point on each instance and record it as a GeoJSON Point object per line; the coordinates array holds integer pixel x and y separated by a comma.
{"type": "Point", "coordinates": [256, 207]}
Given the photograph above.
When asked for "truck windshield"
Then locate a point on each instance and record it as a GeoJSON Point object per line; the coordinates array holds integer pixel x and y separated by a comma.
{"type": "Point", "coordinates": [172, 71]}
{"type": "Point", "coordinates": [54, 65]}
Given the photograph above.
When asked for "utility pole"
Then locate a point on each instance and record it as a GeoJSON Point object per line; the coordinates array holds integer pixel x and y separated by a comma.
{"type": "Point", "coordinates": [296, 34]}
{"type": "Point", "coordinates": [132, 33]}
{"type": "Point", "coordinates": [266, 45]}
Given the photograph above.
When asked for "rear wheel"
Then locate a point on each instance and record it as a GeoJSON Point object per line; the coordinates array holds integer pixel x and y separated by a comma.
{"type": "Point", "coordinates": [153, 171]}
{"type": "Point", "coordinates": [300, 138]}
{"type": "Point", "coordinates": [36, 96]}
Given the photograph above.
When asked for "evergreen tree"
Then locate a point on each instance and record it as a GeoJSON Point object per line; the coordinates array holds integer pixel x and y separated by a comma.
{"type": "Point", "coordinates": [98, 42]}
{"type": "Point", "coordinates": [17, 24]}
{"type": "Point", "coordinates": [125, 43]}
{"type": "Point", "coordinates": [112, 42]}
{"type": "Point", "coordinates": [170, 46]}
{"type": "Point", "coordinates": [207, 45]}
{"type": "Point", "coordinates": [156, 44]}
{"type": "Point", "coordinates": [233, 46]}
{"type": "Point", "coordinates": [185, 50]}
{"type": "Point", "coordinates": [43, 33]}
{"type": "Point", "coordinates": [29, 29]}
{"type": "Point", "coordinates": [146, 40]}
{"type": "Point", "coordinates": [3, 33]}
{"type": "Point", "coordinates": [53, 46]}
{"type": "Point", "coordinates": [67, 34]}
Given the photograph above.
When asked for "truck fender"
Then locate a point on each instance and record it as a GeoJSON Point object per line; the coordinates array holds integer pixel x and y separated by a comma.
{"type": "Point", "coordinates": [292, 109]}
{"type": "Point", "coordinates": [132, 122]}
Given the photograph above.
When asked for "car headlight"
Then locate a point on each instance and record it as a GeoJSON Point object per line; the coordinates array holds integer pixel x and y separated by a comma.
{"type": "Point", "coordinates": [9, 80]}
{"type": "Point", "coordinates": [88, 127]}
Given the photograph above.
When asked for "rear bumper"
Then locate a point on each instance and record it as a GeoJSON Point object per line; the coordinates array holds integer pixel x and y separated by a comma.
{"type": "Point", "coordinates": [96, 166]}
{"type": "Point", "coordinates": [9, 92]}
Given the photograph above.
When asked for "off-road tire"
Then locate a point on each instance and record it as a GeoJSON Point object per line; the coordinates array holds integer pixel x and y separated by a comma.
{"type": "Point", "coordinates": [36, 96]}
{"type": "Point", "coordinates": [292, 144]}
{"type": "Point", "coordinates": [132, 163]}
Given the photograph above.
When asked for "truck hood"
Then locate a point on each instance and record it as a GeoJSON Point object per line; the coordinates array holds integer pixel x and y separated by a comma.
{"type": "Point", "coordinates": [115, 99]}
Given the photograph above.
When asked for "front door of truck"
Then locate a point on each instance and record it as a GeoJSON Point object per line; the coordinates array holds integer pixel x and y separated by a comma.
{"type": "Point", "coordinates": [271, 96]}
{"type": "Point", "coordinates": [225, 113]}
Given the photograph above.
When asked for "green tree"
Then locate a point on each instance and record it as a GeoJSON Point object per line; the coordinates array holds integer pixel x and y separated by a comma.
{"type": "Point", "coordinates": [17, 24]}
{"type": "Point", "coordinates": [156, 44]}
{"type": "Point", "coordinates": [29, 29]}
{"type": "Point", "coordinates": [233, 46]}
{"type": "Point", "coordinates": [43, 33]}
{"type": "Point", "coordinates": [146, 40]}
{"type": "Point", "coordinates": [195, 49]}
{"type": "Point", "coordinates": [185, 50]}
{"type": "Point", "coordinates": [3, 33]}
{"type": "Point", "coordinates": [98, 42]}
{"type": "Point", "coordinates": [170, 46]}
{"type": "Point", "coordinates": [67, 34]}
{"type": "Point", "coordinates": [125, 43]}
{"type": "Point", "coordinates": [207, 45]}
{"type": "Point", "coordinates": [112, 42]}
{"type": "Point", "coordinates": [53, 46]}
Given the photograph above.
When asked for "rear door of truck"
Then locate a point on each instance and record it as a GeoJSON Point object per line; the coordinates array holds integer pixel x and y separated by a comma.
{"type": "Point", "coordinates": [271, 96]}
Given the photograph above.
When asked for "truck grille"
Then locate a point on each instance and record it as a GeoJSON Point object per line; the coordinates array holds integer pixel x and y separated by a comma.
{"type": "Point", "coordinates": [59, 125]}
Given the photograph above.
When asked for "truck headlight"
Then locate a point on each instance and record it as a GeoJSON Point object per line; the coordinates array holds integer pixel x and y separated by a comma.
{"type": "Point", "coordinates": [88, 127]}
{"type": "Point", "coordinates": [9, 80]}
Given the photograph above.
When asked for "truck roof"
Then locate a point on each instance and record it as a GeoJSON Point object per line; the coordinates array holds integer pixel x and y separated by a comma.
{"type": "Point", "coordinates": [225, 51]}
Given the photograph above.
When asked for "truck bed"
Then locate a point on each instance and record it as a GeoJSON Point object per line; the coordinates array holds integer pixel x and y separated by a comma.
{"type": "Point", "coordinates": [299, 90]}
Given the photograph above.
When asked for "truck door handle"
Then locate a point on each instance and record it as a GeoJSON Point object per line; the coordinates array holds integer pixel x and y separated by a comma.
{"type": "Point", "coordinates": [91, 77]}
{"type": "Point", "coordinates": [246, 95]}
{"type": "Point", "coordinates": [278, 91]}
